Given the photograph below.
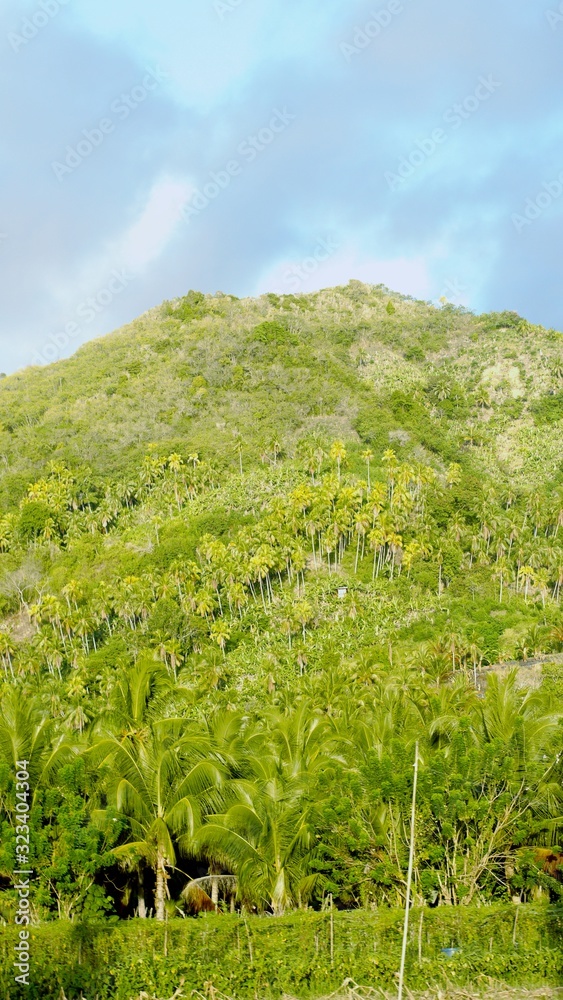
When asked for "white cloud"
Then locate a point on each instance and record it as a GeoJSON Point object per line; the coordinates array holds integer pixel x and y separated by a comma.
{"type": "Point", "coordinates": [146, 239]}
{"type": "Point", "coordinates": [156, 219]}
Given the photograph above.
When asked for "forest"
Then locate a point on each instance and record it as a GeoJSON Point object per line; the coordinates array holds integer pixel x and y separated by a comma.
{"type": "Point", "coordinates": [252, 553]}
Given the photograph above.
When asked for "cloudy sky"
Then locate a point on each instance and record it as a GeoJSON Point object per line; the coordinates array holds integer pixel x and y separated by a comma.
{"type": "Point", "coordinates": [284, 145]}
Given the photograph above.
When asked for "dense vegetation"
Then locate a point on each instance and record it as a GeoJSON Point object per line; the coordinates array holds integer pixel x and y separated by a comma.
{"type": "Point", "coordinates": [299, 955]}
{"type": "Point", "coordinates": [250, 554]}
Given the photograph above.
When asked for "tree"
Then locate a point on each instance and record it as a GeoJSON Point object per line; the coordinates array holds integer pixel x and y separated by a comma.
{"type": "Point", "coordinates": [338, 455]}
{"type": "Point", "coordinates": [27, 732]}
{"type": "Point", "coordinates": [267, 836]}
{"type": "Point", "coordinates": [160, 784]}
{"type": "Point", "coordinates": [220, 633]}
{"type": "Point", "coordinates": [7, 652]}
{"type": "Point", "coordinates": [367, 455]}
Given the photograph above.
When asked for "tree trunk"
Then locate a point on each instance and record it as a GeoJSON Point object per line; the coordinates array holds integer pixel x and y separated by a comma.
{"type": "Point", "coordinates": [141, 903]}
{"type": "Point", "coordinates": [214, 870]}
{"type": "Point", "coordinates": [159, 892]}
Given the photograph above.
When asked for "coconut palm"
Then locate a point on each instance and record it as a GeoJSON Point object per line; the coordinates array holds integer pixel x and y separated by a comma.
{"type": "Point", "coordinates": [367, 455]}
{"type": "Point", "coordinates": [338, 455]}
{"type": "Point", "coordinates": [161, 785]}
{"type": "Point", "coordinates": [29, 732]}
{"type": "Point", "coordinates": [267, 836]}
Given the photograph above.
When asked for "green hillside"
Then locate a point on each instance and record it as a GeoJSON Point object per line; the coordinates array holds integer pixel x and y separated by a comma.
{"type": "Point", "coordinates": [251, 553]}
{"type": "Point", "coordinates": [356, 363]}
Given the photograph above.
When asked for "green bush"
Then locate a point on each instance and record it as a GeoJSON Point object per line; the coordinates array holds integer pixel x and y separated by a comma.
{"type": "Point", "coordinates": [33, 519]}
{"type": "Point", "coordinates": [273, 334]}
{"type": "Point", "coordinates": [549, 409]}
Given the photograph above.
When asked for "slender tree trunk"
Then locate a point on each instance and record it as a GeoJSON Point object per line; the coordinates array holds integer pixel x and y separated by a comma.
{"type": "Point", "coordinates": [159, 893]}
{"type": "Point", "coordinates": [141, 903]}
{"type": "Point", "coordinates": [214, 870]}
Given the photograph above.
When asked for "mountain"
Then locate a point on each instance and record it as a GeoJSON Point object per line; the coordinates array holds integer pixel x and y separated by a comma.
{"type": "Point", "coordinates": [356, 363]}
{"type": "Point", "coordinates": [251, 553]}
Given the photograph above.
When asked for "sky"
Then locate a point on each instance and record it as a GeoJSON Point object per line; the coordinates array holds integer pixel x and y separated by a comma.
{"type": "Point", "coordinates": [289, 145]}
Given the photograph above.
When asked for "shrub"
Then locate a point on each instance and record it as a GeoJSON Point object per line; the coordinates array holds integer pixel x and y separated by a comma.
{"type": "Point", "coordinates": [549, 409]}
{"type": "Point", "coordinates": [34, 517]}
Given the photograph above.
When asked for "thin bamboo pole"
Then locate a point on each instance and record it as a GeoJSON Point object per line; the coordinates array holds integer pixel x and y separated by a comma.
{"type": "Point", "coordinates": [409, 878]}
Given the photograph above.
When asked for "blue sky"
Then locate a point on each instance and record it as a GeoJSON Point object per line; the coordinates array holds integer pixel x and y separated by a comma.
{"type": "Point", "coordinates": [288, 145]}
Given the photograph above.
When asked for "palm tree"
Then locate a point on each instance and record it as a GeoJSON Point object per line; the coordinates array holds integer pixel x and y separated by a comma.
{"type": "Point", "coordinates": [338, 455]}
{"type": "Point", "coordinates": [175, 464]}
{"type": "Point", "coordinates": [72, 591]}
{"type": "Point", "coordinates": [527, 574]}
{"type": "Point", "coordinates": [7, 652]}
{"type": "Point", "coordinates": [376, 539]}
{"type": "Point", "coordinates": [521, 718]}
{"type": "Point", "coordinates": [367, 456]}
{"type": "Point", "coordinates": [500, 572]}
{"type": "Point", "coordinates": [454, 642]}
{"type": "Point", "coordinates": [28, 732]}
{"type": "Point", "coordinates": [220, 633]}
{"type": "Point", "coordinates": [267, 836]}
{"type": "Point", "coordinates": [171, 649]}
{"type": "Point", "coordinates": [161, 784]}
{"type": "Point", "coordinates": [361, 525]}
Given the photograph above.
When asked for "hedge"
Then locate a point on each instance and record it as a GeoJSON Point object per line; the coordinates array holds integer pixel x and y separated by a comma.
{"type": "Point", "coordinates": [248, 957]}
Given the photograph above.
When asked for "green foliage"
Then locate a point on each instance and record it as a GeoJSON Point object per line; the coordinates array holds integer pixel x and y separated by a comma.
{"type": "Point", "coordinates": [549, 409]}
{"type": "Point", "coordinates": [225, 629]}
{"type": "Point", "coordinates": [165, 618]}
{"type": "Point", "coordinates": [191, 306]}
{"type": "Point", "coordinates": [273, 334]}
{"type": "Point", "coordinates": [33, 519]}
{"type": "Point", "coordinates": [70, 853]}
{"type": "Point", "coordinates": [292, 956]}
{"type": "Point", "coordinates": [415, 353]}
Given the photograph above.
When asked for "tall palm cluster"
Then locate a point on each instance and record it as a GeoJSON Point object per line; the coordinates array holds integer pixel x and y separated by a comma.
{"type": "Point", "coordinates": [280, 807]}
{"type": "Point", "coordinates": [409, 522]}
